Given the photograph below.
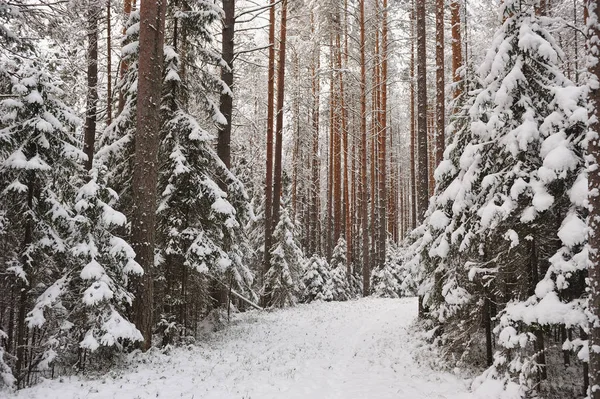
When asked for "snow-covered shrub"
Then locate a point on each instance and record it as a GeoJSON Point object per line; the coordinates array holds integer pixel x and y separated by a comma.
{"type": "Point", "coordinates": [283, 284]}
{"type": "Point", "coordinates": [317, 280]}
{"type": "Point", "coordinates": [340, 287]}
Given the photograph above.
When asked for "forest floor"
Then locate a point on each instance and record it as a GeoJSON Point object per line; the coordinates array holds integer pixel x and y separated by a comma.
{"type": "Point", "coordinates": [343, 350]}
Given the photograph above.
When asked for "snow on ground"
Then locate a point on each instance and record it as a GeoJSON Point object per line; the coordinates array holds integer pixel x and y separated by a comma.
{"type": "Point", "coordinates": [341, 350]}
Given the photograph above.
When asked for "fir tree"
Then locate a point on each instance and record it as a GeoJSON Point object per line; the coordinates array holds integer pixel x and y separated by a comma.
{"type": "Point", "coordinates": [317, 280]}
{"type": "Point", "coordinates": [340, 288]}
{"type": "Point", "coordinates": [283, 285]}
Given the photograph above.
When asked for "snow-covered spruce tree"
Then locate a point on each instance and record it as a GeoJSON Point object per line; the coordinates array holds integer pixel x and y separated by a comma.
{"type": "Point", "coordinates": [536, 201]}
{"type": "Point", "coordinates": [431, 266]}
{"type": "Point", "coordinates": [91, 297]}
{"type": "Point", "coordinates": [340, 288]}
{"type": "Point", "coordinates": [39, 164]}
{"type": "Point", "coordinates": [200, 226]}
{"type": "Point", "coordinates": [509, 206]}
{"type": "Point", "coordinates": [283, 281]}
{"type": "Point", "coordinates": [385, 280]}
{"type": "Point", "coordinates": [317, 280]}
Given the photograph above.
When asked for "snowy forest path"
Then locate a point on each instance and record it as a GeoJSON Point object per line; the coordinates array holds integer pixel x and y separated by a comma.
{"type": "Point", "coordinates": [341, 350]}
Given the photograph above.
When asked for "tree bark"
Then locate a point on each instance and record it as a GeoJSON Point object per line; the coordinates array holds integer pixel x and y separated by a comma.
{"type": "Point", "coordinates": [145, 172]}
{"type": "Point", "coordinates": [440, 109]}
{"type": "Point", "coordinates": [226, 101]}
{"type": "Point", "coordinates": [593, 51]}
{"type": "Point", "coordinates": [269, 166]}
{"type": "Point", "coordinates": [382, 235]}
{"type": "Point", "coordinates": [456, 45]}
{"type": "Point", "coordinates": [277, 171]}
{"type": "Point", "coordinates": [363, 167]}
{"type": "Point", "coordinates": [92, 83]}
{"type": "Point", "coordinates": [108, 66]}
{"type": "Point", "coordinates": [127, 5]}
{"type": "Point", "coordinates": [422, 169]}
{"type": "Point", "coordinates": [413, 135]}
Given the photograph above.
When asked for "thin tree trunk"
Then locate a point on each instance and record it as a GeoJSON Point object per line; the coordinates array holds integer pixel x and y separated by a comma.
{"type": "Point", "coordinates": [440, 109]}
{"type": "Point", "coordinates": [363, 130]}
{"type": "Point", "coordinates": [108, 66]}
{"type": "Point", "coordinates": [315, 181]}
{"type": "Point", "coordinates": [127, 5]}
{"type": "Point", "coordinates": [92, 83]}
{"type": "Point", "coordinates": [456, 44]}
{"type": "Point", "coordinates": [383, 140]}
{"type": "Point", "coordinates": [269, 166]}
{"type": "Point", "coordinates": [145, 172]}
{"type": "Point", "coordinates": [422, 169]}
{"type": "Point", "coordinates": [277, 171]}
{"type": "Point", "coordinates": [593, 11]}
{"type": "Point", "coordinates": [413, 135]}
{"type": "Point", "coordinates": [226, 108]}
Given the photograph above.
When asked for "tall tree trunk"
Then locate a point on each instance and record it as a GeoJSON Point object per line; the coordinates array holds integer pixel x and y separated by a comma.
{"type": "Point", "coordinates": [440, 108]}
{"type": "Point", "coordinates": [413, 130]}
{"type": "Point", "coordinates": [145, 172]}
{"type": "Point", "coordinates": [315, 180]}
{"type": "Point", "coordinates": [456, 45]}
{"type": "Point", "coordinates": [348, 220]}
{"type": "Point", "coordinates": [226, 108]}
{"type": "Point", "coordinates": [363, 167]}
{"type": "Point", "coordinates": [422, 169]}
{"type": "Point", "coordinates": [92, 83]}
{"type": "Point", "coordinates": [108, 66]}
{"type": "Point", "coordinates": [593, 52]}
{"type": "Point", "coordinates": [277, 171]}
{"type": "Point", "coordinates": [269, 166]}
{"type": "Point", "coordinates": [382, 235]}
{"type": "Point", "coordinates": [127, 5]}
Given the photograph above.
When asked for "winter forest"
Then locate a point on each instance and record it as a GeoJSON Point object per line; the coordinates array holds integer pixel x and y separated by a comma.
{"type": "Point", "coordinates": [300, 199]}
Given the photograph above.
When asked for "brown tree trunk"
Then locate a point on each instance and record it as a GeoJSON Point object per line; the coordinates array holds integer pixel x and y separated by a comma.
{"type": "Point", "coordinates": [145, 172]}
{"type": "Point", "coordinates": [277, 171]}
{"type": "Point", "coordinates": [363, 167]}
{"type": "Point", "coordinates": [456, 44]}
{"type": "Point", "coordinates": [422, 169]}
{"type": "Point", "coordinates": [269, 166]}
{"type": "Point", "coordinates": [382, 137]}
{"type": "Point", "coordinates": [226, 108]}
{"type": "Point", "coordinates": [440, 108]}
{"type": "Point", "coordinates": [108, 66]}
{"type": "Point", "coordinates": [127, 5]}
{"type": "Point", "coordinates": [92, 83]}
{"type": "Point", "coordinates": [348, 219]}
{"type": "Point", "coordinates": [315, 180]}
{"type": "Point", "coordinates": [593, 50]}
{"type": "Point", "coordinates": [413, 135]}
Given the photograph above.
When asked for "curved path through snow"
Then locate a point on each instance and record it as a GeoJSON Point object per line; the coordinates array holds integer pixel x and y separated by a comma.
{"type": "Point", "coordinates": [343, 350]}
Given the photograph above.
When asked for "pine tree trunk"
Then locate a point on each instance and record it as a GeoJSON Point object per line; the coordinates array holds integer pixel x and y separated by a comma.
{"type": "Point", "coordinates": [593, 51]}
{"type": "Point", "coordinates": [456, 44]}
{"type": "Point", "coordinates": [382, 235]}
{"type": "Point", "coordinates": [277, 171]}
{"type": "Point", "coordinates": [226, 108]}
{"type": "Point", "coordinates": [269, 166]}
{"type": "Point", "coordinates": [127, 5]}
{"type": "Point", "coordinates": [92, 83]}
{"type": "Point", "coordinates": [145, 172]}
{"type": "Point", "coordinates": [440, 109]}
{"type": "Point", "coordinates": [108, 66]}
{"type": "Point", "coordinates": [413, 130]}
{"type": "Point", "coordinates": [422, 169]}
{"type": "Point", "coordinates": [315, 180]}
{"type": "Point", "coordinates": [363, 167]}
